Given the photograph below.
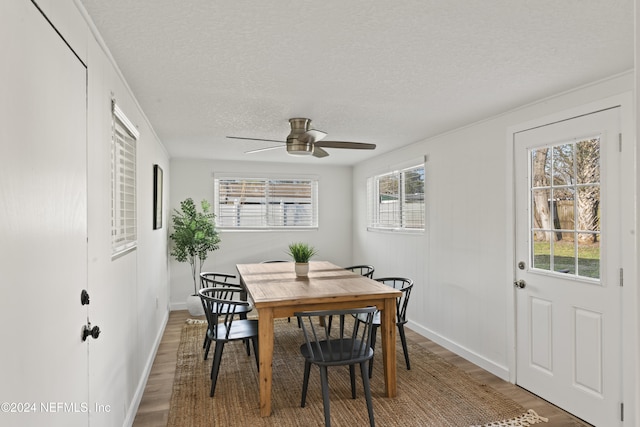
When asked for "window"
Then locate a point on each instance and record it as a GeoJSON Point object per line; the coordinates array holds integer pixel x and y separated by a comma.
{"type": "Point", "coordinates": [565, 214]}
{"type": "Point", "coordinates": [396, 200]}
{"type": "Point", "coordinates": [266, 203]}
{"type": "Point", "coordinates": [123, 182]}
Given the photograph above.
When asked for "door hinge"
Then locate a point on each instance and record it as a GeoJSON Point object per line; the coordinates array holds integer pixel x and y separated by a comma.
{"type": "Point", "coordinates": [621, 277]}
{"type": "Point", "coordinates": [622, 411]}
{"type": "Point", "coordinates": [620, 142]}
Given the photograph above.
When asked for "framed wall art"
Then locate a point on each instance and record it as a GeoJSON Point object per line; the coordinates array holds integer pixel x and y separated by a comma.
{"type": "Point", "coordinates": [157, 197]}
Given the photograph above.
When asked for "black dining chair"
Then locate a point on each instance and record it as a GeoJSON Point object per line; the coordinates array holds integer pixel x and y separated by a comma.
{"type": "Point", "coordinates": [222, 307]}
{"type": "Point", "coordinates": [217, 280]}
{"type": "Point", "coordinates": [404, 285]}
{"type": "Point", "coordinates": [363, 270]}
{"type": "Point", "coordinates": [231, 279]}
{"type": "Point", "coordinates": [210, 279]}
{"type": "Point", "coordinates": [347, 347]}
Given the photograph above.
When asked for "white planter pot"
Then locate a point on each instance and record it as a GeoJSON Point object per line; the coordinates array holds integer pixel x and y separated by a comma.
{"type": "Point", "coordinates": [194, 305]}
{"type": "Point", "coordinates": [302, 269]}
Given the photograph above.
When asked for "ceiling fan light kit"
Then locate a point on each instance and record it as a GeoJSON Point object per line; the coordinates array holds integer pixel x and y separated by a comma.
{"type": "Point", "coordinates": [306, 141]}
{"type": "Point", "coordinates": [298, 148]}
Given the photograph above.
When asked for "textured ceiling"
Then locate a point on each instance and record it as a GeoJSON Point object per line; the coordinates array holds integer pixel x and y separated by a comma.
{"type": "Point", "coordinates": [389, 73]}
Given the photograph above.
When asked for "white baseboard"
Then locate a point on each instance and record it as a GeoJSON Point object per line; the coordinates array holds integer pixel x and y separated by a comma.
{"type": "Point", "coordinates": [137, 397]}
{"type": "Point", "coordinates": [486, 364]}
{"type": "Point", "coordinates": [175, 306]}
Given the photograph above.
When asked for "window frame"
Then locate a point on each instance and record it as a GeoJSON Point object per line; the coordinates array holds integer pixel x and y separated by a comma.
{"type": "Point", "coordinates": [124, 227]}
{"type": "Point", "coordinates": [556, 186]}
{"type": "Point", "coordinates": [374, 202]}
{"type": "Point", "coordinates": [271, 214]}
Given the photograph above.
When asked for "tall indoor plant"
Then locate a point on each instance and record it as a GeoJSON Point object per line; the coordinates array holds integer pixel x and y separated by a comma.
{"type": "Point", "coordinates": [194, 236]}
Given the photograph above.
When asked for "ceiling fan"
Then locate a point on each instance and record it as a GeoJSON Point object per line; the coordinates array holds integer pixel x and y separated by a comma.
{"type": "Point", "coordinates": [304, 141]}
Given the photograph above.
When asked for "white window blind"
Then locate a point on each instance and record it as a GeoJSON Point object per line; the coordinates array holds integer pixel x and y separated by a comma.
{"type": "Point", "coordinates": [396, 200]}
{"type": "Point", "coordinates": [123, 183]}
{"type": "Point", "coordinates": [264, 203]}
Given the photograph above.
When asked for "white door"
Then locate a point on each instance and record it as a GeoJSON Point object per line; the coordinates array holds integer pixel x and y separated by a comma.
{"type": "Point", "coordinates": [43, 223]}
{"type": "Point", "coordinates": [568, 253]}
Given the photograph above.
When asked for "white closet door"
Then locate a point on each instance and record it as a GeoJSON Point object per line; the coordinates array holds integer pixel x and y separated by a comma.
{"type": "Point", "coordinates": [43, 223]}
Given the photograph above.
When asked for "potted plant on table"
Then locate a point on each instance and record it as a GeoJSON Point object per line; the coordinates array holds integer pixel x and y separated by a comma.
{"type": "Point", "coordinates": [301, 254]}
{"type": "Point", "coordinates": [194, 236]}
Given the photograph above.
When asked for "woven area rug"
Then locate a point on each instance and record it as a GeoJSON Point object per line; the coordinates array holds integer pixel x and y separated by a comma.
{"type": "Point", "coordinates": [432, 393]}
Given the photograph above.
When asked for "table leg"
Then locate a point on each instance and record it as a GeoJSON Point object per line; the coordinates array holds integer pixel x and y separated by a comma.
{"type": "Point", "coordinates": [388, 332]}
{"type": "Point", "coordinates": [265, 343]}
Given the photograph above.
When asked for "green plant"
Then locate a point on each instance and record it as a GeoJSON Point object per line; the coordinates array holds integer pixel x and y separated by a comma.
{"type": "Point", "coordinates": [301, 252]}
{"type": "Point", "coordinates": [194, 236]}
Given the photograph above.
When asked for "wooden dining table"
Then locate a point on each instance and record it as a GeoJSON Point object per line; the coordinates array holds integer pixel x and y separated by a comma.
{"type": "Point", "coordinates": [277, 292]}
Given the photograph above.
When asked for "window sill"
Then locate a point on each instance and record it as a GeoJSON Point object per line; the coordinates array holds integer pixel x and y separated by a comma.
{"type": "Point", "coordinates": [396, 230]}
{"type": "Point", "coordinates": [123, 252]}
{"type": "Point", "coordinates": [267, 230]}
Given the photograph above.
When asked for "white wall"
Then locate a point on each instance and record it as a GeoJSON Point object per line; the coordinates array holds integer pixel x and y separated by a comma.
{"type": "Point", "coordinates": [194, 178]}
{"type": "Point", "coordinates": [129, 294]}
{"type": "Point", "coordinates": [462, 265]}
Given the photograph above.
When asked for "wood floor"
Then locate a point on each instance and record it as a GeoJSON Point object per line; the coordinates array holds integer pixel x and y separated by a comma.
{"type": "Point", "coordinates": [154, 407]}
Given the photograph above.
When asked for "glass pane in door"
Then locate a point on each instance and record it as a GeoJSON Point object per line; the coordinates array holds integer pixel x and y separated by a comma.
{"type": "Point", "coordinates": [564, 260]}
{"type": "Point", "coordinates": [565, 208]}
{"type": "Point", "coordinates": [589, 255]}
{"type": "Point", "coordinates": [541, 250]}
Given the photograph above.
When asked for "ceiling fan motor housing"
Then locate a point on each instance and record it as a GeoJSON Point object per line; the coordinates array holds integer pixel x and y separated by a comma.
{"type": "Point", "coordinates": [294, 146]}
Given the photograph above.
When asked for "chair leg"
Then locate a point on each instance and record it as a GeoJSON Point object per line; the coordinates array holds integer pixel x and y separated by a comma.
{"type": "Point", "coordinates": [243, 316]}
{"type": "Point", "coordinates": [254, 341]}
{"type": "Point", "coordinates": [215, 368]}
{"type": "Point", "coordinates": [352, 376]}
{"type": "Point", "coordinates": [324, 379]}
{"type": "Point", "coordinates": [367, 392]}
{"type": "Point", "coordinates": [374, 332]}
{"type": "Point", "coordinates": [305, 383]}
{"type": "Point", "coordinates": [207, 346]}
{"type": "Point", "coordinates": [404, 346]}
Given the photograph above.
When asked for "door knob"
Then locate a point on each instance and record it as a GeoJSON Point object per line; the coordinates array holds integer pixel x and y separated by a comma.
{"type": "Point", "coordinates": [84, 297]}
{"type": "Point", "coordinates": [88, 331]}
{"type": "Point", "coordinates": [520, 283]}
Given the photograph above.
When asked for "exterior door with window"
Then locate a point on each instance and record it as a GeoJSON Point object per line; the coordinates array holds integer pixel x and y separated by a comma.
{"type": "Point", "coordinates": [567, 281]}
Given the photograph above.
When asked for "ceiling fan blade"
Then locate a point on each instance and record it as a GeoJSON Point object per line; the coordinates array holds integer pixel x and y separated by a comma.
{"type": "Point", "coordinates": [264, 149]}
{"type": "Point", "coordinates": [319, 152]}
{"type": "Point", "coordinates": [346, 144]}
{"type": "Point", "coordinates": [256, 139]}
{"type": "Point", "coordinates": [312, 135]}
